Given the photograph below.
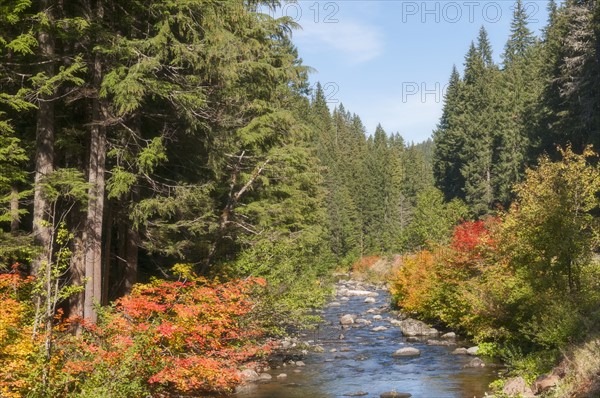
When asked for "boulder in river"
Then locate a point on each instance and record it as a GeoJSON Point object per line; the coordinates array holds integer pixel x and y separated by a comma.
{"type": "Point", "coordinates": [370, 300]}
{"type": "Point", "coordinates": [517, 387]}
{"type": "Point", "coordinates": [473, 350]}
{"type": "Point", "coordinates": [379, 329]}
{"type": "Point", "coordinates": [413, 327]}
{"type": "Point", "coordinates": [361, 293]}
{"type": "Point", "coordinates": [248, 375]}
{"type": "Point", "coordinates": [281, 376]}
{"type": "Point", "coordinates": [264, 376]}
{"type": "Point", "coordinates": [475, 363]}
{"type": "Point", "coordinates": [444, 343]}
{"type": "Point", "coordinates": [449, 336]}
{"type": "Point", "coordinates": [394, 394]}
{"type": "Point", "coordinates": [347, 319]}
{"type": "Point", "coordinates": [460, 351]}
{"type": "Point", "coordinates": [356, 394]}
{"type": "Point", "coordinates": [407, 352]}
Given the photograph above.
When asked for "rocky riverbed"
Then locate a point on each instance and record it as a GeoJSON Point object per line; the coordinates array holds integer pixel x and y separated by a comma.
{"type": "Point", "coordinates": [365, 349]}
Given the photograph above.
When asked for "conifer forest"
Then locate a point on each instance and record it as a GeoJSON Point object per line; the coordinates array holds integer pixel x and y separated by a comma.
{"type": "Point", "coordinates": [176, 198]}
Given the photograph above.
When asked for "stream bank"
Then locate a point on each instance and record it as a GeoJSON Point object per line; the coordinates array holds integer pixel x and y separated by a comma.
{"type": "Point", "coordinates": [360, 350]}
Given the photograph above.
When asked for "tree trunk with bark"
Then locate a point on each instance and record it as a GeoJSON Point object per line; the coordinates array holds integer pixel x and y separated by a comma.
{"type": "Point", "coordinates": [44, 158]}
{"type": "Point", "coordinates": [92, 234]}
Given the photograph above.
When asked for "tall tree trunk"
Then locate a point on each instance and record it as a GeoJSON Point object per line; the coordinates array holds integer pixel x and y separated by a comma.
{"type": "Point", "coordinates": [44, 158]}
{"type": "Point", "coordinates": [131, 256]}
{"type": "Point", "coordinates": [107, 253]}
{"type": "Point", "coordinates": [127, 255]}
{"type": "Point", "coordinates": [14, 210]}
{"type": "Point", "coordinates": [92, 235]}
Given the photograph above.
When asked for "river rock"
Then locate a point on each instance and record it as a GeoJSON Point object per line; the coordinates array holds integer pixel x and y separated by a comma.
{"type": "Point", "coordinates": [413, 327]}
{"type": "Point", "coordinates": [413, 339]}
{"type": "Point", "coordinates": [318, 348]}
{"type": "Point", "coordinates": [444, 343]}
{"type": "Point", "coordinates": [545, 382]}
{"type": "Point", "coordinates": [281, 376]}
{"type": "Point", "coordinates": [475, 363]}
{"type": "Point", "coordinates": [394, 394]}
{"type": "Point", "coordinates": [245, 388]}
{"type": "Point", "coordinates": [377, 317]}
{"type": "Point", "coordinates": [347, 319]}
{"type": "Point", "coordinates": [379, 329]}
{"type": "Point", "coordinates": [249, 375]}
{"type": "Point", "coordinates": [300, 363]}
{"type": "Point", "coordinates": [264, 376]}
{"type": "Point", "coordinates": [449, 336]}
{"type": "Point", "coordinates": [356, 394]}
{"type": "Point", "coordinates": [517, 387]}
{"type": "Point", "coordinates": [472, 350]}
{"type": "Point", "coordinates": [370, 300]}
{"type": "Point", "coordinates": [335, 304]}
{"type": "Point", "coordinates": [407, 352]}
{"type": "Point", "coordinates": [361, 293]}
{"type": "Point", "coordinates": [344, 299]}
{"type": "Point", "coordinates": [460, 351]}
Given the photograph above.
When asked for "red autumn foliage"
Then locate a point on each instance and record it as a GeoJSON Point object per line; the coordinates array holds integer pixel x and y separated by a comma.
{"type": "Point", "coordinates": [471, 240]}
{"type": "Point", "coordinates": [177, 337]}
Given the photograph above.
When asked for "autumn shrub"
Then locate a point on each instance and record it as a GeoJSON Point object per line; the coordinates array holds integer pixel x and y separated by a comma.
{"type": "Point", "coordinates": [16, 343]}
{"type": "Point", "coordinates": [415, 284]}
{"type": "Point", "coordinates": [167, 338]}
{"type": "Point", "coordinates": [183, 337]}
{"type": "Point", "coordinates": [438, 284]}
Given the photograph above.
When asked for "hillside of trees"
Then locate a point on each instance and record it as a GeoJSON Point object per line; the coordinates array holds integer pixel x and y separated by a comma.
{"type": "Point", "coordinates": [173, 141]}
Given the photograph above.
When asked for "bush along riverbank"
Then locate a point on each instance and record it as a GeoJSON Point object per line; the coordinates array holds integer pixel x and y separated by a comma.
{"type": "Point", "coordinates": [167, 338]}
{"type": "Point", "coordinates": [523, 283]}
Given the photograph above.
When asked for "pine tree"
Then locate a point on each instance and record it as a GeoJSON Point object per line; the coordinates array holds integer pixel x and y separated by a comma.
{"type": "Point", "coordinates": [475, 125]}
{"type": "Point", "coordinates": [521, 39]}
{"type": "Point", "coordinates": [449, 141]}
{"type": "Point", "coordinates": [518, 90]}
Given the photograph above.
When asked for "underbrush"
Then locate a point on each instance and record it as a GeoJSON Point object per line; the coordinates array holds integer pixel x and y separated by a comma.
{"type": "Point", "coordinates": [168, 338]}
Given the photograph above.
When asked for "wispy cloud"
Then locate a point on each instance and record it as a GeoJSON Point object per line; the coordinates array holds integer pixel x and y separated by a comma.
{"type": "Point", "coordinates": [357, 42]}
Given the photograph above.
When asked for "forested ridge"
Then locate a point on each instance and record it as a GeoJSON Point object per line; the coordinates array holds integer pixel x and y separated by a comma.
{"type": "Point", "coordinates": [173, 192]}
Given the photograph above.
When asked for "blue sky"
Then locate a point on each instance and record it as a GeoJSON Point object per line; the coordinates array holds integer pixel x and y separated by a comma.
{"type": "Point", "coordinates": [388, 61]}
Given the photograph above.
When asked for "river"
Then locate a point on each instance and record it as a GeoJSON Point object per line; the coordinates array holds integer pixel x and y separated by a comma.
{"type": "Point", "coordinates": [362, 362]}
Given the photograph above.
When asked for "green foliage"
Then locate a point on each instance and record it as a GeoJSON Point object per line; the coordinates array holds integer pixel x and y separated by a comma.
{"type": "Point", "coordinates": [66, 184]}
{"type": "Point", "coordinates": [520, 285]}
{"type": "Point", "coordinates": [557, 196]}
{"type": "Point", "coordinates": [433, 219]}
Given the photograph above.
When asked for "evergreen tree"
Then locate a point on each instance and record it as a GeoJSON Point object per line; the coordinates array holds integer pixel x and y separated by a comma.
{"type": "Point", "coordinates": [518, 90]}
{"type": "Point", "coordinates": [449, 142]}
{"type": "Point", "coordinates": [475, 124]}
{"type": "Point", "coordinates": [521, 39]}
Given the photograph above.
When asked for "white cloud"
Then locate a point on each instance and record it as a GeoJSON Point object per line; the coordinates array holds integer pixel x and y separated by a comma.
{"type": "Point", "coordinates": [356, 41]}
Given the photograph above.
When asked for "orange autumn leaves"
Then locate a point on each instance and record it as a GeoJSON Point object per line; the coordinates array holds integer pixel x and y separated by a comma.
{"type": "Point", "coordinates": [436, 283]}
{"type": "Point", "coordinates": [16, 344]}
{"type": "Point", "coordinates": [167, 337]}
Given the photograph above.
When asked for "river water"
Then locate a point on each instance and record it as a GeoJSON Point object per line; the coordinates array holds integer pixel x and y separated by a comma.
{"type": "Point", "coordinates": [361, 362]}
